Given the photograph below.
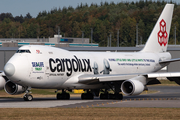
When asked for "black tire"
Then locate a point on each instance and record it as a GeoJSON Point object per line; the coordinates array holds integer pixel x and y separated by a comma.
{"type": "Point", "coordinates": [87, 96]}
{"type": "Point", "coordinates": [90, 96]}
{"type": "Point", "coordinates": [59, 96]}
{"type": "Point", "coordinates": [104, 96]}
{"type": "Point", "coordinates": [28, 97]}
{"type": "Point", "coordinates": [63, 96]}
{"type": "Point", "coordinates": [66, 96]}
{"type": "Point", "coordinates": [111, 96]}
{"type": "Point", "coordinates": [116, 96]}
{"type": "Point", "coordinates": [120, 97]}
{"type": "Point", "coordinates": [83, 96]}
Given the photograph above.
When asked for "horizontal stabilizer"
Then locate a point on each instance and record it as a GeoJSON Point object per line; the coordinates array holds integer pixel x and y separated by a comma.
{"type": "Point", "coordinates": [171, 60]}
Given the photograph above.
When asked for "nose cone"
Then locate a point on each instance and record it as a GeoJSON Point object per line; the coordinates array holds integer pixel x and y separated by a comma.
{"type": "Point", "coordinates": [9, 69]}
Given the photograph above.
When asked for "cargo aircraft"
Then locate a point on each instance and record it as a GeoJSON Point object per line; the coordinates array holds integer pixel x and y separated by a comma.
{"type": "Point", "coordinates": [44, 67]}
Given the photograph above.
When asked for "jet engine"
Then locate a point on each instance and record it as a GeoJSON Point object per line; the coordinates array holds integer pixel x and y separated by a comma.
{"type": "Point", "coordinates": [2, 82]}
{"type": "Point", "coordinates": [14, 89]}
{"type": "Point", "coordinates": [132, 87]}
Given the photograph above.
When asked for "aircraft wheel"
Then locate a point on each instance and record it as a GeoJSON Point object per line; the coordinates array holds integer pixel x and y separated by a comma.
{"type": "Point", "coordinates": [120, 97]}
{"type": "Point", "coordinates": [87, 96]}
{"type": "Point", "coordinates": [103, 96]}
{"type": "Point", "coordinates": [63, 96]}
{"type": "Point", "coordinates": [91, 96]}
{"type": "Point", "coordinates": [83, 96]}
{"type": "Point", "coordinates": [116, 96]}
{"type": "Point", "coordinates": [111, 96]}
{"type": "Point", "coordinates": [28, 97]}
{"type": "Point", "coordinates": [66, 96]}
{"type": "Point", "coordinates": [59, 96]}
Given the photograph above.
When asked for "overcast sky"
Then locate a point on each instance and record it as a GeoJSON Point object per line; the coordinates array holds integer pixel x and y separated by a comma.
{"type": "Point", "coordinates": [22, 7]}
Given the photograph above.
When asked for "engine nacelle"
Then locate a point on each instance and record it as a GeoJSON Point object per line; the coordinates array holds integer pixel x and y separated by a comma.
{"type": "Point", "coordinates": [2, 82]}
{"type": "Point", "coordinates": [14, 89]}
{"type": "Point", "coordinates": [132, 87]}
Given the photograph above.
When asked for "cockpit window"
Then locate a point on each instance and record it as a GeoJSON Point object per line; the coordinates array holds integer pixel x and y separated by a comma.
{"type": "Point", "coordinates": [23, 51]}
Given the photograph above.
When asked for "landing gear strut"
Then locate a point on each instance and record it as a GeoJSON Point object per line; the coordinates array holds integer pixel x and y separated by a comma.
{"type": "Point", "coordinates": [27, 95]}
{"type": "Point", "coordinates": [63, 95]}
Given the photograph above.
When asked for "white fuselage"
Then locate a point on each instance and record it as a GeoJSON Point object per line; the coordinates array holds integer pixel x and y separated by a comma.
{"type": "Point", "coordinates": [54, 68]}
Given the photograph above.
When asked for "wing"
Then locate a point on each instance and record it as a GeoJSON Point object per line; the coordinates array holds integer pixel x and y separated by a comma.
{"type": "Point", "coordinates": [89, 79]}
{"type": "Point", "coordinates": [166, 74]}
{"type": "Point", "coordinates": [172, 76]}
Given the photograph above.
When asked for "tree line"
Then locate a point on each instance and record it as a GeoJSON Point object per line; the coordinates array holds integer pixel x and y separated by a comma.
{"type": "Point", "coordinates": [104, 19]}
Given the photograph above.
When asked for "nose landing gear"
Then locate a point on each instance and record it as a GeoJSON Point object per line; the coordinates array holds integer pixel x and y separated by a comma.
{"type": "Point", "coordinates": [27, 96]}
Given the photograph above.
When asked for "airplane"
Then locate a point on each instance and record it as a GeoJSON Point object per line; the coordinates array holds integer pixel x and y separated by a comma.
{"type": "Point", "coordinates": [129, 73]}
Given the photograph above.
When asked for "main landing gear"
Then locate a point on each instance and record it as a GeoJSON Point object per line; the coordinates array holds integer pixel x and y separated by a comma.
{"type": "Point", "coordinates": [87, 96]}
{"type": "Point", "coordinates": [63, 95]}
{"type": "Point", "coordinates": [115, 96]}
{"type": "Point", "coordinates": [27, 95]}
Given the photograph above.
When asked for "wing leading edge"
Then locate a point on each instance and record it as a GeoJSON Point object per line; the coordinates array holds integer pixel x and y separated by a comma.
{"type": "Point", "coordinates": [92, 79]}
{"type": "Point", "coordinates": [88, 79]}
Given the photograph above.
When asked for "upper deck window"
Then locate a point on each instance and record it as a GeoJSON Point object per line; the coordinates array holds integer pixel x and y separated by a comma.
{"type": "Point", "coordinates": [23, 51]}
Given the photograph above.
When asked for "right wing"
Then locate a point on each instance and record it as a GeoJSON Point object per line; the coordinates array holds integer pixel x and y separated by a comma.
{"type": "Point", "coordinates": [89, 79]}
{"type": "Point", "coordinates": [172, 76]}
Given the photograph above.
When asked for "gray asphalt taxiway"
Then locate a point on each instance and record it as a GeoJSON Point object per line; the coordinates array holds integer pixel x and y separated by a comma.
{"type": "Point", "coordinates": [167, 96]}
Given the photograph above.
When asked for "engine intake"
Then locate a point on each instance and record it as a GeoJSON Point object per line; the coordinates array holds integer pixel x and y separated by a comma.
{"type": "Point", "coordinates": [132, 87]}
{"type": "Point", "coordinates": [14, 89]}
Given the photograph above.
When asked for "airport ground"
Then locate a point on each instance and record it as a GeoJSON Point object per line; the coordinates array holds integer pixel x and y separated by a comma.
{"type": "Point", "coordinates": [162, 102]}
{"type": "Point", "coordinates": [90, 113]}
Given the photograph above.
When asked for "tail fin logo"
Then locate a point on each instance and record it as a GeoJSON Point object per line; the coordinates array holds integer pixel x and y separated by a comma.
{"type": "Point", "coordinates": [162, 34]}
